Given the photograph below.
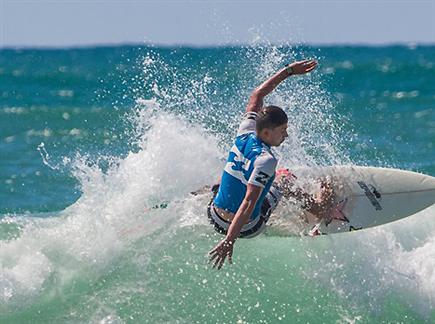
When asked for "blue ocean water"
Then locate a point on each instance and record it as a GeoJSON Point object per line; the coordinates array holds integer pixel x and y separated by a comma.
{"type": "Point", "coordinates": [92, 138]}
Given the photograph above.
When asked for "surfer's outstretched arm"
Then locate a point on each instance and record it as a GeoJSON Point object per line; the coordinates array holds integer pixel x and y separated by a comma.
{"type": "Point", "coordinates": [256, 100]}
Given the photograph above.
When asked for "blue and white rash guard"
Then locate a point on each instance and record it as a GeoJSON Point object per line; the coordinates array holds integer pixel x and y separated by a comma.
{"type": "Point", "coordinates": [250, 161]}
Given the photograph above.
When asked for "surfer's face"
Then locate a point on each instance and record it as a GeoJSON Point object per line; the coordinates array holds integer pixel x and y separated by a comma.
{"type": "Point", "coordinates": [275, 136]}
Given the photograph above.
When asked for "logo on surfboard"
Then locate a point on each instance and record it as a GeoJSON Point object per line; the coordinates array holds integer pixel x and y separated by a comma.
{"type": "Point", "coordinates": [372, 194]}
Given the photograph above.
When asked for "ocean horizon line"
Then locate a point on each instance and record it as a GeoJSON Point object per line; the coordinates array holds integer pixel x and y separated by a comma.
{"type": "Point", "coordinates": [211, 46]}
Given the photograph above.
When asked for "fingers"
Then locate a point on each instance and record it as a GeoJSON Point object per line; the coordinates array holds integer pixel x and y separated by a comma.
{"type": "Point", "coordinates": [307, 62]}
{"type": "Point", "coordinates": [219, 262]}
{"type": "Point", "coordinates": [305, 66]}
{"type": "Point", "coordinates": [219, 254]}
{"type": "Point", "coordinates": [311, 65]}
{"type": "Point", "coordinates": [214, 256]}
{"type": "Point", "coordinates": [213, 251]}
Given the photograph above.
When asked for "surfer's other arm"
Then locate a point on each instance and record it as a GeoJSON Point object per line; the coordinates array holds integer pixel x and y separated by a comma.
{"type": "Point", "coordinates": [318, 204]}
{"type": "Point", "coordinates": [225, 247]}
{"type": "Point", "coordinates": [256, 100]}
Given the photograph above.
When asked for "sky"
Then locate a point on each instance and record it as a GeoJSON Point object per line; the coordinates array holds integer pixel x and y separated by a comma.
{"type": "Point", "coordinates": [66, 23]}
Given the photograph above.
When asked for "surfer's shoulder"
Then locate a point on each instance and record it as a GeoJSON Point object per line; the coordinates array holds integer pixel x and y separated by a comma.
{"type": "Point", "coordinates": [266, 161]}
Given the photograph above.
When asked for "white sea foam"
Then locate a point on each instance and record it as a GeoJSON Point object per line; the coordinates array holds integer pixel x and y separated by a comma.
{"type": "Point", "coordinates": [173, 158]}
{"type": "Point", "coordinates": [393, 261]}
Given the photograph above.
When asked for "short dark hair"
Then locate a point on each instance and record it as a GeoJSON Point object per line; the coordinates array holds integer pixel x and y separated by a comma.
{"type": "Point", "coordinates": [271, 117]}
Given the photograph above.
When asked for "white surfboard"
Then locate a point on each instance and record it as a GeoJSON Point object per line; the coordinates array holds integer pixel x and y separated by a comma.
{"type": "Point", "coordinates": [367, 197]}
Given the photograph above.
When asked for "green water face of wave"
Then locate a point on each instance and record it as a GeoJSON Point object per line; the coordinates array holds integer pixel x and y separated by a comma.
{"type": "Point", "coordinates": [273, 280]}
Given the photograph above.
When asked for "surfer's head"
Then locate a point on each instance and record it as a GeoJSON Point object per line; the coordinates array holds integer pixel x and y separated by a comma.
{"type": "Point", "coordinates": [272, 125]}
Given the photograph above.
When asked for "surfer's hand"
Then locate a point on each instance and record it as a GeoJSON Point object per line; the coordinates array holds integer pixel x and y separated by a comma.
{"type": "Point", "coordinates": [220, 252]}
{"type": "Point", "coordinates": [302, 67]}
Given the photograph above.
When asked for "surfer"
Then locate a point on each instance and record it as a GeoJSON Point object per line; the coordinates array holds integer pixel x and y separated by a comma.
{"type": "Point", "coordinates": [250, 169]}
{"type": "Point", "coordinates": [319, 205]}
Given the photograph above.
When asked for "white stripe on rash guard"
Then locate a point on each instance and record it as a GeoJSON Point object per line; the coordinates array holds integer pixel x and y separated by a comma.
{"type": "Point", "coordinates": [238, 158]}
{"type": "Point", "coordinates": [264, 169]}
{"type": "Point", "coordinates": [248, 123]}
